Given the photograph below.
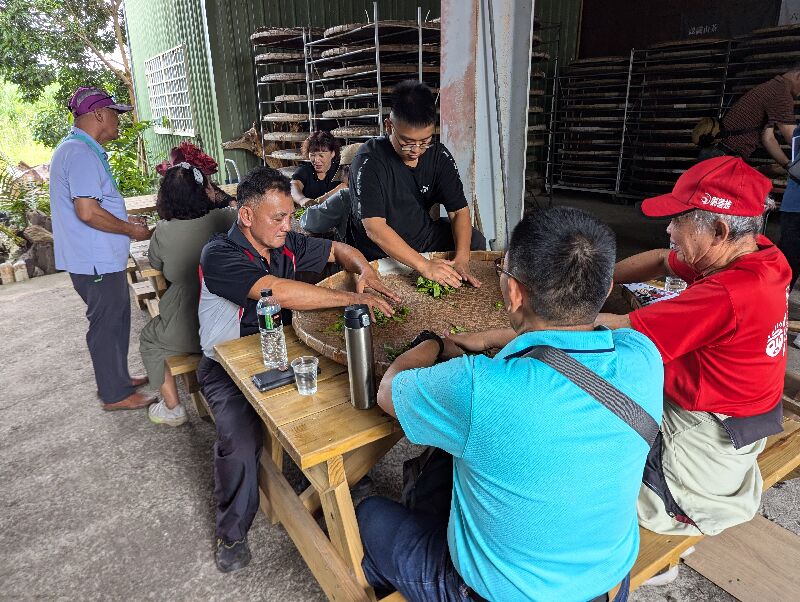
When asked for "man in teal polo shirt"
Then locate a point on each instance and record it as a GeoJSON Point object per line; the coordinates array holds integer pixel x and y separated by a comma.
{"type": "Point", "coordinates": [92, 233]}
{"type": "Point", "coordinates": [544, 477]}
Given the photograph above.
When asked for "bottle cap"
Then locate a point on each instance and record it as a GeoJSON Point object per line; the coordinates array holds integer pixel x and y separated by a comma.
{"type": "Point", "coordinates": [266, 292]}
{"type": "Point", "coordinates": [356, 316]}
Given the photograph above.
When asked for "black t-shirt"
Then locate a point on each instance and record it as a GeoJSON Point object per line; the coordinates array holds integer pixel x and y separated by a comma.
{"type": "Point", "coordinates": [381, 185]}
{"type": "Point", "coordinates": [230, 266]}
{"type": "Point", "coordinates": [313, 187]}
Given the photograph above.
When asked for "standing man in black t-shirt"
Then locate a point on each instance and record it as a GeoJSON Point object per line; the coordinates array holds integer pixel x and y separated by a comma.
{"type": "Point", "coordinates": [394, 182]}
{"type": "Point", "coordinates": [260, 251]}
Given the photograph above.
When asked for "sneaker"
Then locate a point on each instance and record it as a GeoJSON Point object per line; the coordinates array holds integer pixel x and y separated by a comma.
{"type": "Point", "coordinates": [232, 556]}
{"type": "Point", "coordinates": [159, 413]}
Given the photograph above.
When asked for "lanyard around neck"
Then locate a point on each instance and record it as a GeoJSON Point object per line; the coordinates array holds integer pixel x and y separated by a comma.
{"type": "Point", "coordinates": [93, 146]}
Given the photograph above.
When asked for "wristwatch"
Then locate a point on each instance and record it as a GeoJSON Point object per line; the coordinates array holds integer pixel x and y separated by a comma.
{"type": "Point", "coordinates": [427, 335]}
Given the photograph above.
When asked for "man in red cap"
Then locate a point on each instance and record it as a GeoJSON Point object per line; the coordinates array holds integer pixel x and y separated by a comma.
{"type": "Point", "coordinates": [92, 234]}
{"type": "Point", "coordinates": [723, 344]}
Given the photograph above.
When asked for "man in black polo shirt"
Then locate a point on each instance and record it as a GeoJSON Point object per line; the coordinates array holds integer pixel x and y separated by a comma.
{"type": "Point", "coordinates": [394, 182]}
{"type": "Point", "coordinates": [260, 251]}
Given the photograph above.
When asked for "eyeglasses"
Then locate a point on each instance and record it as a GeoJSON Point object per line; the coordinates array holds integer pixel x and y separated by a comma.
{"type": "Point", "coordinates": [498, 267]}
{"type": "Point", "coordinates": [421, 146]}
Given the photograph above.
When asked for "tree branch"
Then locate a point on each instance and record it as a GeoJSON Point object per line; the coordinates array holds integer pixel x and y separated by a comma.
{"type": "Point", "coordinates": [74, 22]}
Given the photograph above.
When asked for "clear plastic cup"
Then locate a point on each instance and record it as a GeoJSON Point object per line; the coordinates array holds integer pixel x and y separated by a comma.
{"type": "Point", "coordinates": [305, 374]}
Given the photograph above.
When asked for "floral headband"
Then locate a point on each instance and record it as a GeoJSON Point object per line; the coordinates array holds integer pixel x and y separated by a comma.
{"type": "Point", "coordinates": [198, 177]}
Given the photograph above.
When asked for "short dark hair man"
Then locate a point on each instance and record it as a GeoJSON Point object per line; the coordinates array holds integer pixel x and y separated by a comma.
{"type": "Point", "coordinates": [260, 251]}
{"type": "Point", "coordinates": [752, 120]}
{"type": "Point", "coordinates": [545, 478]}
{"type": "Point", "coordinates": [394, 182]}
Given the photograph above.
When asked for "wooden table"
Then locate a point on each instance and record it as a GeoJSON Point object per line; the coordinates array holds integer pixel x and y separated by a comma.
{"type": "Point", "coordinates": [334, 445]}
{"type": "Point", "coordinates": [146, 203]}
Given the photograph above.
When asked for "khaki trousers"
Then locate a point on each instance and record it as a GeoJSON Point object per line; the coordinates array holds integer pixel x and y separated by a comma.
{"type": "Point", "coordinates": [716, 485]}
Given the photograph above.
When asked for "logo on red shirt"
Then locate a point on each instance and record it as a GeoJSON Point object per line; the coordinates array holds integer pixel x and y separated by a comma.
{"type": "Point", "coordinates": [776, 342]}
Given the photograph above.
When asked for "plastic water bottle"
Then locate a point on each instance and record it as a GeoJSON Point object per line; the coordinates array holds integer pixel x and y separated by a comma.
{"type": "Point", "coordinates": [672, 283]}
{"type": "Point", "coordinates": [273, 342]}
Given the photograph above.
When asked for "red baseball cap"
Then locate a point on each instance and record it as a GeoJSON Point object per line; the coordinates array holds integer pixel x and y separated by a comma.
{"type": "Point", "coordinates": [87, 99]}
{"type": "Point", "coordinates": [721, 185]}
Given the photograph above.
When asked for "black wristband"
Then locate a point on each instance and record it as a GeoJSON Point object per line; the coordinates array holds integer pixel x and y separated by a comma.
{"type": "Point", "coordinates": [427, 335]}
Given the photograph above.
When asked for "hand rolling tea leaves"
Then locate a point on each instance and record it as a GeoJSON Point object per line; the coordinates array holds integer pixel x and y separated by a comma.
{"type": "Point", "coordinates": [432, 288]}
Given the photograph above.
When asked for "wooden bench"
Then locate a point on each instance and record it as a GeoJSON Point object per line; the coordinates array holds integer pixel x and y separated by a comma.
{"type": "Point", "coordinates": [184, 367]}
{"type": "Point", "coordinates": [142, 291]}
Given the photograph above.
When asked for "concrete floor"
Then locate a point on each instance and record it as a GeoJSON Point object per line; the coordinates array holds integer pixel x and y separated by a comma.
{"type": "Point", "coordinates": [101, 506]}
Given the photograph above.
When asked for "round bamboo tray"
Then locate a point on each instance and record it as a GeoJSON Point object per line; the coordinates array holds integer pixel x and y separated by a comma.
{"type": "Point", "coordinates": [283, 77]}
{"type": "Point", "coordinates": [370, 68]}
{"type": "Point", "coordinates": [288, 154]}
{"type": "Point", "coordinates": [286, 117]}
{"type": "Point", "coordinates": [467, 307]}
{"type": "Point", "coordinates": [279, 57]}
{"type": "Point", "coordinates": [286, 136]}
{"type": "Point", "coordinates": [388, 48]}
{"type": "Point", "coordinates": [355, 131]}
{"type": "Point", "coordinates": [345, 92]}
{"type": "Point", "coordinates": [282, 36]}
{"type": "Point", "coordinates": [366, 31]}
{"type": "Point", "coordinates": [359, 112]}
{"type": "Point", "coordinates": [291, 98]}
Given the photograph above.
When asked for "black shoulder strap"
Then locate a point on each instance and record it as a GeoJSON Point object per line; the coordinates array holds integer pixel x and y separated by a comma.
{"type": "Point", "coordinates": [615, 400]}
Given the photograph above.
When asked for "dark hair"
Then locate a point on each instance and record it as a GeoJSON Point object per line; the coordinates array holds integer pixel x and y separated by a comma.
{"type": "Point", "coordinates": [180, 196]}
{"type": "Point", "coordinates": [257, 182]}
{"type": "Point", "coordinates": [565, 258]}
{"type": "Point", "coordinates": [413, 104]}
{"type": "Point", "coordinates": [321, 141]}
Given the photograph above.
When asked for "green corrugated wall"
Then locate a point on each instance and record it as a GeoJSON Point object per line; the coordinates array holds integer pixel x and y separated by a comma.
{"type": "Point", "coordinates": [156, 26]}
{"type": "Point", "coordinates": [568, 14]}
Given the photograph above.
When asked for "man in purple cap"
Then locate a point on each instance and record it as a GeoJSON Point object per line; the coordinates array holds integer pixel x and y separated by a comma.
{"type": "Point", "coordinates": [92, 234]}
{"type": "Point", "coordinates": [723, 343]}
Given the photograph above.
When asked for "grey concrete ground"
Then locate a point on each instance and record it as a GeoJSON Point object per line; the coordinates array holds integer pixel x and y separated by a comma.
{"type": "Point", "coordinates": [99, 506]}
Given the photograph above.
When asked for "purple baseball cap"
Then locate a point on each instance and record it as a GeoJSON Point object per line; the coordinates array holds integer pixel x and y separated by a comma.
{"type": "Point", "coordinates": [87, 99]}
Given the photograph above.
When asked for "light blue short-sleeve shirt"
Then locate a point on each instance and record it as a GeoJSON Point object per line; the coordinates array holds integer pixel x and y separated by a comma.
{"type": "Point", "coordinates": [77, 170]}
{"type": "Point", "coordinates": [545, 478]}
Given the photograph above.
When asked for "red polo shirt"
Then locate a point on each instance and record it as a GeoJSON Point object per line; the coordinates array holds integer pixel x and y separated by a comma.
{"type": "Point", "coordinates": [723, 340]}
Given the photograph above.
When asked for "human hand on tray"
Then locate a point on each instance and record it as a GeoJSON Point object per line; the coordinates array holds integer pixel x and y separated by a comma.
{"type": "Point", "coordinates": [373, 302]}
{"type": "Point", "coordinates": [369, 278]}
{"type": "Point", "coordinates": [441, 271]}
{"type": "Point", "coordinates": [462, 267]}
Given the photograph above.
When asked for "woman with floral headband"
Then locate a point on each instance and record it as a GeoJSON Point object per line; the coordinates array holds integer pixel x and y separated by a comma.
{"type": "Point", "coordinates": [191, 209]}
